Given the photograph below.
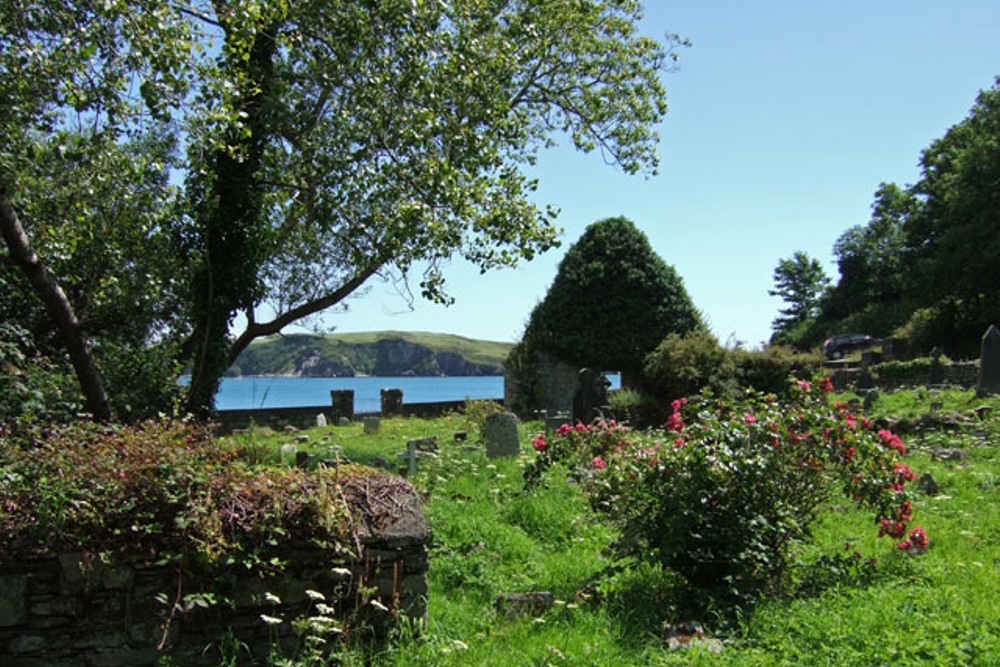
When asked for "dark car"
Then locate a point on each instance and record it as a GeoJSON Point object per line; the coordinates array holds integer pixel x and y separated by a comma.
{"type": "Point", "coordinates": [838, 346]}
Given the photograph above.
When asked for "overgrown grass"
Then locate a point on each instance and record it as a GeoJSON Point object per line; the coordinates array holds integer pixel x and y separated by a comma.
{"type": "Point", "coordinates": [348, 443]}
{"type": "Point", "coordinates": [852, 599]}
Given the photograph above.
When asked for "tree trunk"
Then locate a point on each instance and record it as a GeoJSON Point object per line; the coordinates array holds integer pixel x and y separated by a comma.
{"type": "Point", "coordinates": [229, 215]}
{"type": "Point", "coordinates": [58, 306]}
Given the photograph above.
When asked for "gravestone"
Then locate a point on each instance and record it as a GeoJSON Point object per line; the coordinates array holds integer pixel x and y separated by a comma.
{"type": "Point", "coordinates": [392, 402]}
{"type": "Point", "coordinates": [320, 420]}
{"type": "Point", "coordinates": [864, 380]}
{"type": "Point", "coordinates": [937, 368]}
{"type": "Point", "coordinates": [343, 404]}
{"type": "Point", "coordinates": [372, 425]}
{"type": "Point", "coordinates": [500, 435]}
{"type": "Point", "coordinates": [591, 398]}
{"type": "Point", "coordinates": [989, 363]}
{"type": "Point", "coordinates": [411, 458]}
{"type": "Point", "coordinates": [892, 349]}
{"type": "Point", "coordinates": [870, 358]}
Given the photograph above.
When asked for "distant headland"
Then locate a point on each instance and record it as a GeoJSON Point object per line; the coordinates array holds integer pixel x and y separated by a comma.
{"type": "Point", "coordinates": [379, 353]}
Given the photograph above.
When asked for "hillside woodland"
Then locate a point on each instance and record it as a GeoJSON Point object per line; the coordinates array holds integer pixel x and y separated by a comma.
{"type": "Point", "coordinates": [924, 268]}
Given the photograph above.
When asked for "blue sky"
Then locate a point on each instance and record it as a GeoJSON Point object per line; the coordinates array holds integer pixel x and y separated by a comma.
{"type": "Point", "coordinates": [784, 118]}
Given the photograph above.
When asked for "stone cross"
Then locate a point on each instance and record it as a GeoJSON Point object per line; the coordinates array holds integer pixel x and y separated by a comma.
{"type": "Point", "coordinates": [500, 435]}
{"type": "Point", "coordinates": [989, 362]}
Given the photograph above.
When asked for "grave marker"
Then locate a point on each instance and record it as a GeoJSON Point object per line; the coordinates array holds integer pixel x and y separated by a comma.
{"type": "Point", "coordinates": [989, 362]}
{"type": "Point", "coordinates": [500, 435]}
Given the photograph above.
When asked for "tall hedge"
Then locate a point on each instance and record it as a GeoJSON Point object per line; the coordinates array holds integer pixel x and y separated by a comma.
{"type": "Point", "coordinates": [612, 301]}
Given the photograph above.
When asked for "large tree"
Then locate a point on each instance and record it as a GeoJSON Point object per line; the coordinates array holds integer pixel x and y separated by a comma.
{"type": "Point", "coordinates": [800, 282]}
{"type": "Point", "coordinates": [953, 238]}
{"type": "Point", "coordinates": [373, 136]}
{"type": "Point", "coordinates": [870, 257]}
{"type": "Point", "coordinates": [331, 141]}
{"type": "Point", "coordinates": [611, 303]}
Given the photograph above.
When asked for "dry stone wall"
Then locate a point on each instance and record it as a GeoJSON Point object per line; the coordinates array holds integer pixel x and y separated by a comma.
{"type": "Point", "coordinates": [74, 610]}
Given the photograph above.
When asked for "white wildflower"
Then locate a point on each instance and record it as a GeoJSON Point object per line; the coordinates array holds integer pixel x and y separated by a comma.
{"type": "Point", "coordinates": [272, 598]}
{"type": "Point", "coordinates": [270, 620]}
{"type": "Point", "coordinates": [378, 605]}
{"type": "Point", "coordinates": [314, 595]}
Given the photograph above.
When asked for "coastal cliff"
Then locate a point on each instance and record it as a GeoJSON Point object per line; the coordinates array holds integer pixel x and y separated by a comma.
{"type": "Point", "coordinates": [380, 354]}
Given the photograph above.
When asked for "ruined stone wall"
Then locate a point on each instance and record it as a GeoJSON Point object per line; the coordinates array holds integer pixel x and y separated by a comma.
{"type": "Point", "coordinates": [305, 417]}
{"type": "Point", "coordinates": [551, 386]}
{"type": "Point", "coordinates": [73, 610]}
{"type": "Point", "coordinates": [963, 374]}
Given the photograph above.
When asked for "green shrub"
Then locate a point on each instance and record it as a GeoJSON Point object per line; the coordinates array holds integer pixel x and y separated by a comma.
{"type": "Point", "coordinates": [682, 365]}
{"type": "Point", "coordinates": [635, 408]}
{"type": "Point", "coordinates": [728, 490]}
{"type": "Point", "coordinates": [477, 411]}
{"type": "Point", "coordinates": [31, 385]}
{"type": "Point", "coordinates": [898, 373]}
{"type": "Point", "coordinates": [768, 370]}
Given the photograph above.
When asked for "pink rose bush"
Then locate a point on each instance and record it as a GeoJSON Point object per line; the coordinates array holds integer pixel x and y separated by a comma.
{"type": "Point", "coordinates": [571, 443]}
{"type": "Point", "coordinates": [724, 492]}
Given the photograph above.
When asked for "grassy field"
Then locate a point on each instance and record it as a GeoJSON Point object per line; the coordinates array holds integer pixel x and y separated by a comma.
{"type": "Point", "coordinates": [853, 599]}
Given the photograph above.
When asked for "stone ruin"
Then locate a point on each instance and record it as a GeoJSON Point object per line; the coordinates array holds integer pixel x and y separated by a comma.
{"type": "Point", "coordinates": [73, 609]}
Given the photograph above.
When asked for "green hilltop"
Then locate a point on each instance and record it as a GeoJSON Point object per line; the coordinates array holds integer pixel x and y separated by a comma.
{"type": "Point", "coordinates": [386, 353]}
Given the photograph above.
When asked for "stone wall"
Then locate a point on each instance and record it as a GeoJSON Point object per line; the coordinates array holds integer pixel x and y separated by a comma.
{"type": "Point", "coordinates": [549, 389]}
{"type": "Point", "coordinates": [963, 374]}
{"type": "Point", "coordinates": [74, 610]}
{"type": "Point", "coordinates": [305, 417]}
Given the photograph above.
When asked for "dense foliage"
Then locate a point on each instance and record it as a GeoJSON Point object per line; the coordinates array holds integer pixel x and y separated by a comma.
{"type": "Point", "coordinates": [923, 268]}
{"type": "Point", "coordinates": [323, 144]}
{"type": "Point", "coordinates": [612, 301]}
{"type": "Point", "coordinates": [685, 365]}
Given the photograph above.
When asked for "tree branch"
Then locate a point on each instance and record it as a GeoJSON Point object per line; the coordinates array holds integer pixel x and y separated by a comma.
{"type": "Point", "coordinates": [256, 330]}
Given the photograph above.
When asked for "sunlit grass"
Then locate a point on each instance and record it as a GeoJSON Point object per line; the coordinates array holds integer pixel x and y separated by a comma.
{"type": "Point", "coordinates": [489, 538]}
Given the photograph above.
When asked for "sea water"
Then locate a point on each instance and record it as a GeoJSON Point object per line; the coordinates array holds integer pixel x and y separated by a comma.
{"type": "Point", "coordinates": [254, 392]}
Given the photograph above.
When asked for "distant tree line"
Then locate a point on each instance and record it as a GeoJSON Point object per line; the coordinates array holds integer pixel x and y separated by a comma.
{"type": "Point", "coordinates": [926, 267]}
